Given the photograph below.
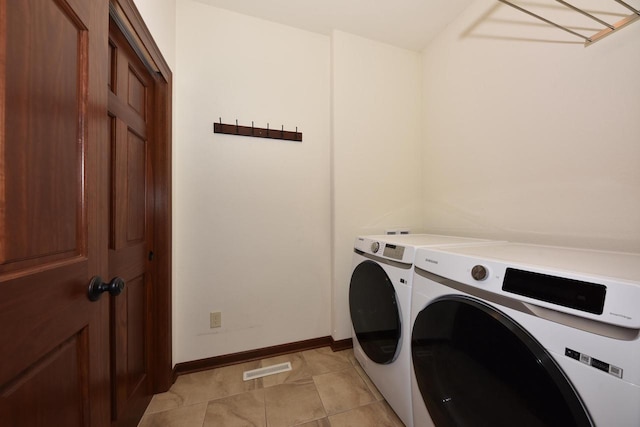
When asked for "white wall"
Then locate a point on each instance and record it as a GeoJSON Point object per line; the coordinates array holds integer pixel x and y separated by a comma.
{"type": "Point", "coordinates": [376, 153]}
{"type": "Point", "coordinates": [529, 136]}
{"type": "Point", "coordinates": [160, 18]}
{"type": "Point", "coordinates": [252, 235]}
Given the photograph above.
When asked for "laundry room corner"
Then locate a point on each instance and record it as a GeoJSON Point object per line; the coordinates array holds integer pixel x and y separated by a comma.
{"type": "Point", "coordinates": [376, 151]}
{"type": "Point", "coordinates": [530, 135]}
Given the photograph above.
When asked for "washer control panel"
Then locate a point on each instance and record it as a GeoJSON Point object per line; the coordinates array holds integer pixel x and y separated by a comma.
{"type": "Point", "coordinates": [597, 285]}
{"type": "Point", "coordinates": [375, 247]}
{"type": "Point", "coordinates": [593, 362]}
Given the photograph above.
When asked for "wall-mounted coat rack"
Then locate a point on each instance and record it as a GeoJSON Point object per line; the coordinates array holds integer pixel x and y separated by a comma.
{"type": "Point", "coordinates": [231, 129]}
{"type": "Point", "coordinates": [588, 40]}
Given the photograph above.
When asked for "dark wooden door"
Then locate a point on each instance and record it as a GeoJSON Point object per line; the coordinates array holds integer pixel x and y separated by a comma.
{"type": "Point", "coordinates": [54, 342]}
{"type": "Point", "coordinates": [131, 228]}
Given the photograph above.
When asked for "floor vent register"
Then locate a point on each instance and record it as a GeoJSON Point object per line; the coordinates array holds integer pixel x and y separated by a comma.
{"type": "Point", "coordinates": [268, 370]}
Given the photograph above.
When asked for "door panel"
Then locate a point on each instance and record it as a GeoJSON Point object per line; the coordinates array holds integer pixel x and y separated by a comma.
{"type": "Point", "coordinates": [45, 95]}
{"type": "Point", "coordinates": [136, 188]}
{"type": "Point", "coordinates": [58, 377]}
{"type": "Point", "coordinates": [137, 90]}
{"type": "Point", "coordinates": [54, 341]}
{"type": "Point", "coordinates": [128, 198]}
{"type": "Point", "coordinates": [130, 229]}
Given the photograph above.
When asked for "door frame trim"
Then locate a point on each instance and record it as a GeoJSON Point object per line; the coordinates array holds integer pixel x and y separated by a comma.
{"type": "Point", "coordinates": [128, 18]}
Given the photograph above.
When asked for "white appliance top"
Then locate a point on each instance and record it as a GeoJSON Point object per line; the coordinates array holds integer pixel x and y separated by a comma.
{"type": "Point", "coordinates": [402, 247]}
{"type": "Point", "coordinates": [618, 265]}
{"type": "Point", "coordinates": [600, 285]}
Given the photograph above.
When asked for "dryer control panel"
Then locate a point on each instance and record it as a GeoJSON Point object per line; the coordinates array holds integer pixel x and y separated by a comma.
{"type": "Point", "coordinates": [393, 251]}
{"type": "Point", "coordinates": [382, 249]}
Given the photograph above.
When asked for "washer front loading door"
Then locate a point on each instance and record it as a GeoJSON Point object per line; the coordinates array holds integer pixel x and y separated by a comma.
{"type": "Point", "coordinates": [475, 366]}
{"type": "Point", "coordinates": [375, 314]}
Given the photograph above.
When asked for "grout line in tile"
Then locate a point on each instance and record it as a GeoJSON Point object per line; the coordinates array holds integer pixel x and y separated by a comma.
{"type": "Point", "coordinates": [264, 405]}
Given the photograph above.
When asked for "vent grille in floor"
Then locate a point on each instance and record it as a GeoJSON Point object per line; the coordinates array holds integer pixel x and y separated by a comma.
{"type": "Point", "coordinates": [268, 370]}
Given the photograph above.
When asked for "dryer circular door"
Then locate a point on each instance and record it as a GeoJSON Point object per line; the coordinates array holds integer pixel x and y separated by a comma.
{"type": "Point", "coordinates": [375, 314]}
{"type": "Point", "coordinates": [475, 366]}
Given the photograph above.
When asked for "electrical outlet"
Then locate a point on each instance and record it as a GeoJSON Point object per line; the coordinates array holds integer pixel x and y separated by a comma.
{"type": "Point", "coordinates": [215, 319]}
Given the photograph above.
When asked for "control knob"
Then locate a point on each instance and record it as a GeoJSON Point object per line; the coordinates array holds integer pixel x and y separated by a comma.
{"type": "Point", "coordinates": [375, 247]}
{"type": "Point", "coordinates": [479, 272]}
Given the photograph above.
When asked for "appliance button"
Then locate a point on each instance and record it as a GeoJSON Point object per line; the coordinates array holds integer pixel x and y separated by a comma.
{"type": "Point", "coordinates": [479, 273]}
{"type": "Point", "coordinates": [375, 247]}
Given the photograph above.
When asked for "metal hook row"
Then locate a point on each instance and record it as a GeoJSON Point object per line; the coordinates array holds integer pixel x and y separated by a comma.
{"type": "Point", "coordinates": [256, 132]}
{"type": "Point", "coordinates": [252, 127]}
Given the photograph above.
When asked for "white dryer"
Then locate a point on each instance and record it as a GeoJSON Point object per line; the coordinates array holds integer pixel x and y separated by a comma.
{"type": "Point", "coordinates": [525, 335]}
{"type": "Point", "coordinates": [380, 308]}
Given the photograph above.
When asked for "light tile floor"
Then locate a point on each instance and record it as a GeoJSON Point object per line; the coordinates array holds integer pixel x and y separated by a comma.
{"type": "Point", "coordinates": [324, 389]}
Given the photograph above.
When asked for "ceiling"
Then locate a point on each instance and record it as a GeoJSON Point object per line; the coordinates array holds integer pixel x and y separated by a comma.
{"type": "Point", "coordinates": [410, 24]}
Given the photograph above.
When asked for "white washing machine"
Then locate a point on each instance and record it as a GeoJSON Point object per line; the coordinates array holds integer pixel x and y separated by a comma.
{"type": "Point", "coordinates": [525, 335]}
{"type": "Point", "coordinates": [380, 308]}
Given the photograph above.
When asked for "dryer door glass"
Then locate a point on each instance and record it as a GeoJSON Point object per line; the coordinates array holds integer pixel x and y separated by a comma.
{"type": "Point", "coordinates": [374, 312]}
{"type": "Point", "coordinates": [474, 366]}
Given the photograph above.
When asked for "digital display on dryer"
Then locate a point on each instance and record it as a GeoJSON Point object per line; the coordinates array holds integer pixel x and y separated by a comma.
{"type": "Point", "coordinates": [576, 294]}
{"type": "Point", "coordinates": [393, 251]}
